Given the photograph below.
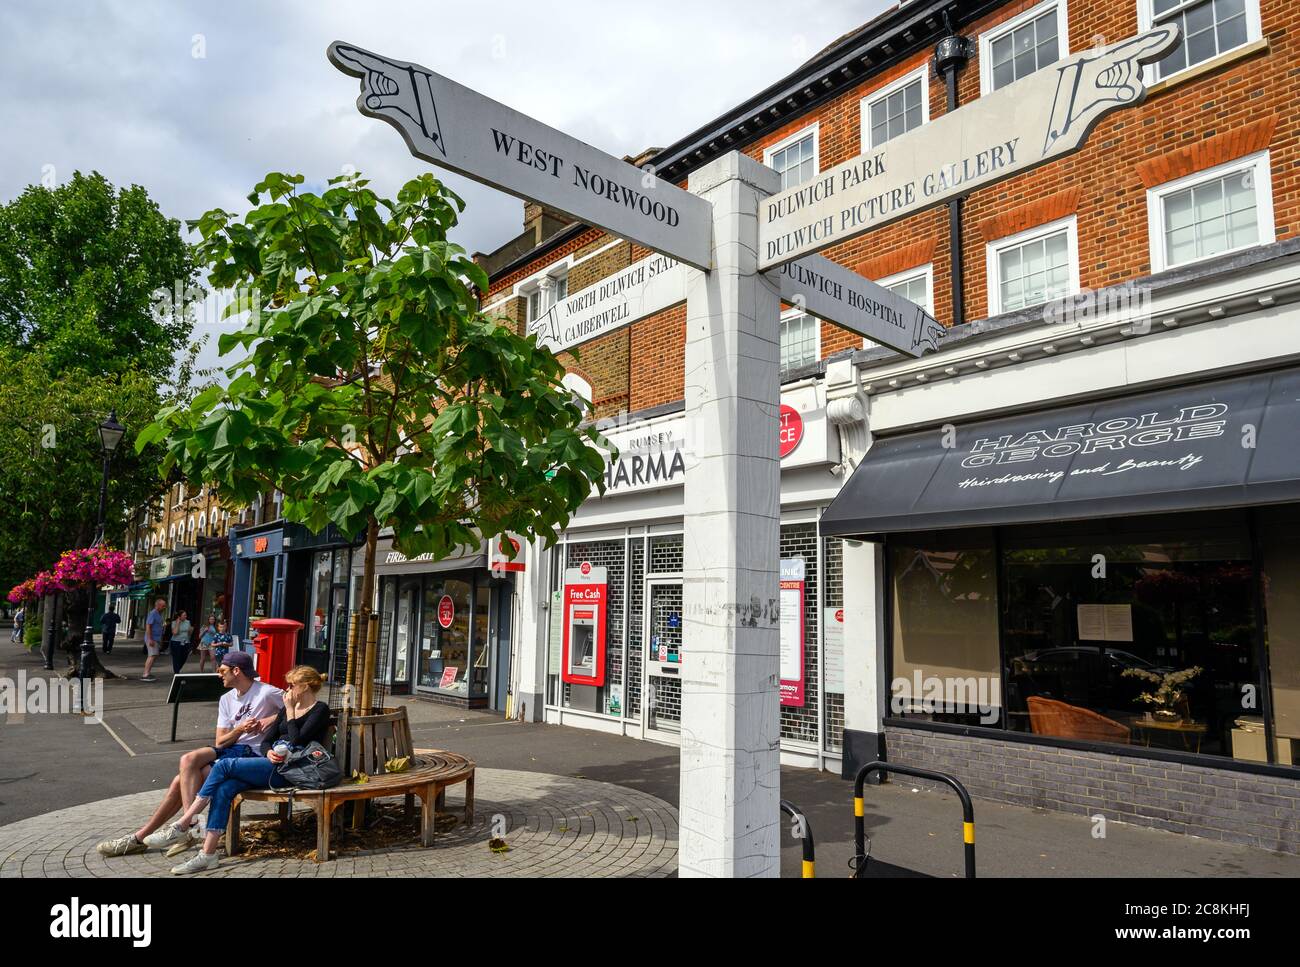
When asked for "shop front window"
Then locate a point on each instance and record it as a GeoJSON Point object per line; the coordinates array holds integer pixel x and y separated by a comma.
{"type": "Point", "coordinates": [444, 641]}
{"type": "Point", "coordinates": [1138, 632]}
{"type": "Point", "coordinates": [318, 635]}
{"type": "Point", "coordinates": [945, 631]}
{"type": "Point", "coordinates": [259, 594]}
{"type": "Point", "coordinates": [480, 655]}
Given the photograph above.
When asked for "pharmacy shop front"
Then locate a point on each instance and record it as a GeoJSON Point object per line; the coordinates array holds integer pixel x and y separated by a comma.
{"type": "Point", "coordinates": [612, 641]}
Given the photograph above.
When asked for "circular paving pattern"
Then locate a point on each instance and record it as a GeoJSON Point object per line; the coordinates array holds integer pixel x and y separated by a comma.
{"type": "Point", "coordinates": [554, 825]}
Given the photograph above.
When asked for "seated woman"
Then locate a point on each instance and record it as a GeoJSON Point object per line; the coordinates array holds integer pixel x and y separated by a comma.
{"type": "Point", "coordinates": [302, 720]}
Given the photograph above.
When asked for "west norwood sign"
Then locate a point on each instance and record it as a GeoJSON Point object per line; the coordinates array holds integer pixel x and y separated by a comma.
{"type": "Point", "coordinates": [729, 729]}
{"type": "Point", "coordinates": [453, 127]}
{"type": "Point", "coordinates": [1038, 118]}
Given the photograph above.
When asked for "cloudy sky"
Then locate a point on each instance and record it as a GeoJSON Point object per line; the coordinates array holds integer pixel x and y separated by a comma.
{"type": "Point", "coordinates": [197, 100]}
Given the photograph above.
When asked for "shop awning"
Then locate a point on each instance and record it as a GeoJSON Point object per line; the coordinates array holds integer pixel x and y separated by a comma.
{"type": "Point", "coordinates": [1228, 443]}
{"type": "Point", "coordinates": [390, 561]}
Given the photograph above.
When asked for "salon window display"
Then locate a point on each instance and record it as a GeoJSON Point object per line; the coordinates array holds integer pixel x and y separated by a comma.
{"type": "Point", "coordinates": [1139, 632]}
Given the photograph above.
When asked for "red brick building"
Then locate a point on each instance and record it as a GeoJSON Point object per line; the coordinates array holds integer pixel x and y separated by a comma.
{"type": "Point", "coordinates": [1158, 269]}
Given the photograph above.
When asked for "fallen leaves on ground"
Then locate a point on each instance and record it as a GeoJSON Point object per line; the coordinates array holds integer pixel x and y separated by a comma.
{"type": "Point", "coordinates": [386, 828]}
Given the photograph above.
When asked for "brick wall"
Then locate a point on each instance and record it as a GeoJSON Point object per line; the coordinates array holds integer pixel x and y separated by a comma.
{"type": "Point", "coordinates": [1102, 184]}
{"type": "Point", "coordinates": [1234, 807]}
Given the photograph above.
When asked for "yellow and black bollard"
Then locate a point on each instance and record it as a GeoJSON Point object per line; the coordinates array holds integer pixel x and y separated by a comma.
{"type": "Point", "coordinates": [805, 835]}
{"type": "Point", "coordinates": [859, 823]}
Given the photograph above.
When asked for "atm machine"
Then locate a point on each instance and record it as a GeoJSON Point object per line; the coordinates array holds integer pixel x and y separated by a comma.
{"type": "Point", "coordinates": [583, 659]}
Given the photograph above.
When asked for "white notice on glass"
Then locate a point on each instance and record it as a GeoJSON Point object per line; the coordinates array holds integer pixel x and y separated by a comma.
{"type": "Point", "coordinates": [833, 648]}
{"type": "Point", "coordinates": [556, 632]}
{"type": "Point", "coordinates": [1105, 622]}
{"type": "Point", "coordinates": [1119, 622]}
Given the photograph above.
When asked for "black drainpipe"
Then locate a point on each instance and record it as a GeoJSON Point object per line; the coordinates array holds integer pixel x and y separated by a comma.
{"type": "Point", "coordinates": [950, 55]}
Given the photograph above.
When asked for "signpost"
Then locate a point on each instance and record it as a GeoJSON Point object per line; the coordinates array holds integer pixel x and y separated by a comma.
{"type": "Point", "coordinates": [730, 768]}
{"type": "Point", "coordinates": [820, 287]}
{"type": "Point", "coordinates": [1038, 118]}
{"type": "Point", "coordinates": [454, 127]}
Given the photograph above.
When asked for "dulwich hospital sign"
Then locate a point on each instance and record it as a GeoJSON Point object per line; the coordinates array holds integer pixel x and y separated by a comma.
{"type": "Point", "coordinates": [820, 287]}
{"type": "Point", "coordinates": [454, 127]}
{"type": "Point", "coordinates": [1038, 118]}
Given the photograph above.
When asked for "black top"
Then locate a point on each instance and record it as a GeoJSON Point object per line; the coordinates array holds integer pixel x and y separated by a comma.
{"type": "Point", "coordinates": [312, 726]}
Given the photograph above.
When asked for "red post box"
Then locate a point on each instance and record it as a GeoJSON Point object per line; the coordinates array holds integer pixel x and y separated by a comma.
{"type": "Point", "coordinates": [276, 642]}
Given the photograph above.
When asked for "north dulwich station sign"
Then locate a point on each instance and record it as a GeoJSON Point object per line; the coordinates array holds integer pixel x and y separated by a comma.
{"type": "Point", "coordinates": [1038, 118]}
{"type": "Point", "coordinates": [454, 127]}
{"type": "Point", "coordinates": [822, 288]}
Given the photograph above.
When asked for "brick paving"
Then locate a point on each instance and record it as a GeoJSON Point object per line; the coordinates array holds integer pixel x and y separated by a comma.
{"type": "Point", "coordinates": [556, 826]}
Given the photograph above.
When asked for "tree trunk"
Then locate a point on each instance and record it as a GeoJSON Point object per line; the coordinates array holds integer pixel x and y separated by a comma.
{"type": "Point", "coordinates": [357, 644]}
{"type": "Point", "coordinates": [78, 610]}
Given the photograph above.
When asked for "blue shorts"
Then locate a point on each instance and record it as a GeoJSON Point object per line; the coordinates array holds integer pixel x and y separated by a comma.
{"type": "Point", "coordinates": [236, 751]}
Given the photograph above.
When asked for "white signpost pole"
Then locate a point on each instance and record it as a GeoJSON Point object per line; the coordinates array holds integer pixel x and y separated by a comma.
{"type": "Point", "coordinates": [729, 809]}
{"type": "Point", "coordinates": [733, 228]}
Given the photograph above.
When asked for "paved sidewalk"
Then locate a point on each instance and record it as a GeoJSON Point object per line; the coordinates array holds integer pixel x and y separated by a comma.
{"type": "Point", "coordinates": [52, 762]}
{"type": "Point", "coordinates": [554, 825]}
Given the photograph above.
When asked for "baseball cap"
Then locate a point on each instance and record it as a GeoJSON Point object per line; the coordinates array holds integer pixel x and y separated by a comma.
{"type": "Point", "coordinates": [241, 660]}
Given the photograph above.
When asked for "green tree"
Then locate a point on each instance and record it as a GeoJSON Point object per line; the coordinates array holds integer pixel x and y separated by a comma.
{"type": "Point", "coordinates": [90, 276]}
{"type": "Point", "coordinates": [374, 393]}
{"type": "Point", "coordinates": [50, 460]}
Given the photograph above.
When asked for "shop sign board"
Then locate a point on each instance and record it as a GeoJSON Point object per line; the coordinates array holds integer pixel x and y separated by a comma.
{"type": "Point", "coordinates": [451, 126]}
{"type": "Point", "coordinates": [446, 611]}
{"type": "Point", "coordinates": [792, 631]}
{"type": "Point", "coordinates": [790, 431]}
{"type": "Point", "coordinates": [833, 649]}
{"type": "Point", "coordinates": [1034, 120]}
{"type": "Point", "coordinates": [507, 555]}
{"type": "Point", "coordinates": [585, 597]}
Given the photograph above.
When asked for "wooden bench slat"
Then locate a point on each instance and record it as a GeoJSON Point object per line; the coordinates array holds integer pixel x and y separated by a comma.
{"type": "Point", "coordinates": [431, 771]}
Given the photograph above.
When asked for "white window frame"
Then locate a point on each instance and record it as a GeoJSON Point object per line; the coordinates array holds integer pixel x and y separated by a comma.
{"type": "Point", "coordinates": [815, 130]}
{"type": "Point", "coordinates": [926, 270]}
{"type": "Point", "coordinates": [1033, 13]}
{"type": "Point", "coordinates": [534, 287]}
{"type": "Point", "coordinates": [1258, 164]}
{"type": "Point", "coordinates": [993, 280]}
{"type": "Point", "coordinates": [817, 336]}
{"type": "Point", "coordinates": [922, 74]}
{"type": "Point", "coordinates": [1147, 18]}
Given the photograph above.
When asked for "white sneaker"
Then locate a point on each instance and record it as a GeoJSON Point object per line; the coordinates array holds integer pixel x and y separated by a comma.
{"type": "Point", "coordinates": [169, 835]}
{"type": "Point", "coordinates": [122, 846]}
{"type": "Point", "coordinates": [198, 863]}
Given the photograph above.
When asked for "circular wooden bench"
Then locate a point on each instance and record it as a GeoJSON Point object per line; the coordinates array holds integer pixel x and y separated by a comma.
{"type": "Point", "coordinates": [431, 771]}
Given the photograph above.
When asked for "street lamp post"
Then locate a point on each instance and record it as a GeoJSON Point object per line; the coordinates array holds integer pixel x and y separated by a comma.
{"type": "Point", "coordinates": [110, 435]}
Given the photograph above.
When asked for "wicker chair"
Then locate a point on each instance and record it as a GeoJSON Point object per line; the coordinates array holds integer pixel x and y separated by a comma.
{"type": "Point", "coordinates": [1047, 716]}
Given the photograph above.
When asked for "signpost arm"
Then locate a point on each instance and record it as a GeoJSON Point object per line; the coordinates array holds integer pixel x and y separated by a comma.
{"type": "Point", "coordinates": [730, 760]}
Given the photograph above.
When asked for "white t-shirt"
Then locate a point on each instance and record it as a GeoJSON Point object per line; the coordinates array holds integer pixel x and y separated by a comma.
{"type": "Point", "coordinates": [259, 702]}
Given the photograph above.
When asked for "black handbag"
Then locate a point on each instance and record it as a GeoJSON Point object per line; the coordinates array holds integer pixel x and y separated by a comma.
{"type": "Point", "coordinates": [311, 767]}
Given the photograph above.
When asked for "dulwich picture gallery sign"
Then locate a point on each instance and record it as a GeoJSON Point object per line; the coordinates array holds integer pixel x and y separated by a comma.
{"type": "Point", "coordinates": [1038, 118]}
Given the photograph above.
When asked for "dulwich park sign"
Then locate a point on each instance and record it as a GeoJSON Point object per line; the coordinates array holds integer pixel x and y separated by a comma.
{"type": "Point", "coordinates": [734, 270]}
{"type": "Point", "coordinates": [1038, 118]}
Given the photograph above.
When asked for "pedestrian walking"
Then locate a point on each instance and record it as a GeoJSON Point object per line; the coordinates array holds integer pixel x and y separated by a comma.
{"type": "Point", "coordinates": [154, 626]}
{"type": "Point", "coordinates": [206, 640]}
{"type": "Point", "coordinates": [109, 625]}
{"type": "Point", "coordinates": [20, 616]}
{"type": "Point", "coordinates": [180, 641]}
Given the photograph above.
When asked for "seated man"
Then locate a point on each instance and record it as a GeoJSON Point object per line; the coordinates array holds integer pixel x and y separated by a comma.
{"type": "Point", "coordinates": [244, 715]}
